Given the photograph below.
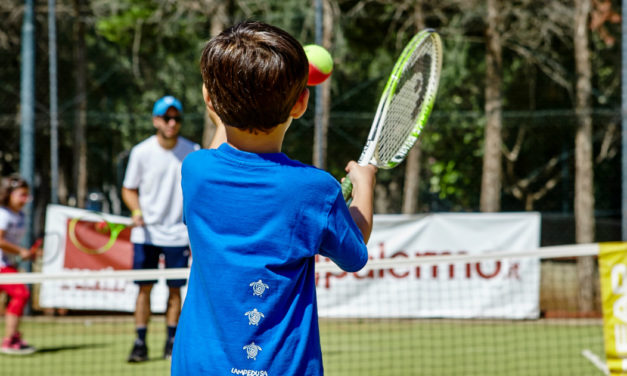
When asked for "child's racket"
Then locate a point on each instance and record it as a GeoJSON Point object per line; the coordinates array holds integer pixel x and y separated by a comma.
{"type": "Point", "coordinates": [52, 251]}
{"type": "Point", "coordinates": [35, 249]}
{"type": "Point", "coordinates": [405, 104]}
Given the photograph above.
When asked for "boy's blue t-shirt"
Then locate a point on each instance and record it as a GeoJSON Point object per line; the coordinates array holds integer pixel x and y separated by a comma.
{"type": "Point", "coordinates": [255, 223]}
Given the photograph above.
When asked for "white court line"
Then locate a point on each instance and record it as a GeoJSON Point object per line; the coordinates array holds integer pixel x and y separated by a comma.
{"type": "Point", "coordinates": [594, 359]}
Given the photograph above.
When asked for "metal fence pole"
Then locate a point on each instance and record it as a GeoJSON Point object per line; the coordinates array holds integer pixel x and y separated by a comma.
{"type": "Point", "coordinates": [318, 115]}
{"type": "Point", "coordinates": [27, 98]}
{"type": "Point", "coordinates": [54, 107]}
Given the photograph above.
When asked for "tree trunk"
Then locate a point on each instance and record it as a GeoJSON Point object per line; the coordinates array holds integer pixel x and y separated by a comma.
{"type": "Point", "coordinates": [320, 154]}
{"type": "Point", "coordinates": [584, 186]}
{"type": "Point", "coordinates": [80, 122]}
{"type": "Point", "coordinates": [219, 21]}
{"type": "Point", "coordinates": [412, 181]}
{"type": "Point", "coordinates": [490, 200]}
{"type": "Point", "coordinates": [411, 186]}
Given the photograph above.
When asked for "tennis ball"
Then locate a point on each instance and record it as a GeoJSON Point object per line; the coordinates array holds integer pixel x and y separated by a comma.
{"type": "Point", "coordinates": [320, 64]}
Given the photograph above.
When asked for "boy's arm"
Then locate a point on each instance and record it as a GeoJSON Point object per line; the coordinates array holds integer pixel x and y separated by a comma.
{"type": "Point", "coordinates": [361, 208]}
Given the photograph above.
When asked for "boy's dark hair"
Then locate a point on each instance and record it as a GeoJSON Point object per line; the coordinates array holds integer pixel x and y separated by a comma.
{"type": "Point", "coordinates": [254, 74]}
{"type": "Point", "coordinates": [8, 185]}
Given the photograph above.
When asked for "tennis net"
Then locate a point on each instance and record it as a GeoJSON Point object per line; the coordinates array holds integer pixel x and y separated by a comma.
{"type": "Point", "coordinates": [506, 313]}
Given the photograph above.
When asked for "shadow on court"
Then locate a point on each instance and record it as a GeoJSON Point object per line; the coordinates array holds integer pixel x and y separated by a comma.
{"type": "Point", "coordinates": [58, 349]}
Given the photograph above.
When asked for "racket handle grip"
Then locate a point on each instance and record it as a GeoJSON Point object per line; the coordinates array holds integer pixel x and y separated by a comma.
{"type": "Point", "coordinates": [347, 189]}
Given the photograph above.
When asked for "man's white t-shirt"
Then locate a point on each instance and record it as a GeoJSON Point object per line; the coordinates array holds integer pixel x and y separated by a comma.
{"type": "Point", "coordinates": [156, 173]}
{"type": "Point", "coordinates": [14, 227]}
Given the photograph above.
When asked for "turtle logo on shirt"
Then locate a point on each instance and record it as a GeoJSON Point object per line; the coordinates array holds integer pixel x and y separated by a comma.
{"type": "Point", "coordinates": [252, 350]}
{"type": "Point", "coordinates": [254, 317]}
{"type": "Point", "coordinates": [258, 287]}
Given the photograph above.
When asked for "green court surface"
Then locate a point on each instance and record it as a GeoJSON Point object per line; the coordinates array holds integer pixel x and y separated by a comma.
{"type": "Point", "coordinates": [99, 345]}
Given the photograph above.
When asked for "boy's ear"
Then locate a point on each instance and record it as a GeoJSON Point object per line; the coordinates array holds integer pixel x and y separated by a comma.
{"type": "Point", "coordinates": [205, 95]}
{"type": "Point", "coordinates": [212, 112]}
{"type": "Point", "coordinates": [301, 105]}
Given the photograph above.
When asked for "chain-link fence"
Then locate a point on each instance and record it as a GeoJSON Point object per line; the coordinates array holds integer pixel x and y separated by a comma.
{"type": "Point", "coordinates": [538, 161]}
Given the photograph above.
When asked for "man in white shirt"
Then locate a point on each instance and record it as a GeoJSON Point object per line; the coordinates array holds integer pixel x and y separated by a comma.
{"type": "Point", "coordinates": [152, 191]}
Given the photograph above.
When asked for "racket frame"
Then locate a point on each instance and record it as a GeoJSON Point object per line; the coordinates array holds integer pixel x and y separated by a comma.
{"type": "Point", "coordinates": [390, 87]}
{"type": "Point", "coordinates": [370, 148]}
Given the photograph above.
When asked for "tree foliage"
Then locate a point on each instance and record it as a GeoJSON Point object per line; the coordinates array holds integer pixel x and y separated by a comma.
{"type": "Point", "coordinates": [140, 50]}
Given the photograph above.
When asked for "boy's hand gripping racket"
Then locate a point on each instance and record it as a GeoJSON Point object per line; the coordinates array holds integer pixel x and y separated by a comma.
{"type": "Point", "coordinates": [404, 106]}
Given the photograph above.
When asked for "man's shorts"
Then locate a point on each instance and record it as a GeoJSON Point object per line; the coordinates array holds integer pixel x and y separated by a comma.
{"type": "Point", "coordinates": [146, 256]}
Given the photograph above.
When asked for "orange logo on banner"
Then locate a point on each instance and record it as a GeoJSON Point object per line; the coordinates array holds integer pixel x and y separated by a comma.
{"type": "Point", "coordinates": [91, 235]}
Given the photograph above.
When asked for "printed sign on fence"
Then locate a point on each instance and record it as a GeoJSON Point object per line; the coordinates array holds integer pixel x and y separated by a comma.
{"type": "Point", "coordinates": [496, 288]}
{"type": "Point", "coordinates": [79, 240]}
{"type": "Point", "coordinates": [458, 290]}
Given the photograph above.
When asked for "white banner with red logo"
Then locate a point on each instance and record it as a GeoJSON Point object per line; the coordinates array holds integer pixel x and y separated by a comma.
{"type": "Point", "coordinates": [506, 288]}
{"type": "Point", "coordinates": [76, 240]}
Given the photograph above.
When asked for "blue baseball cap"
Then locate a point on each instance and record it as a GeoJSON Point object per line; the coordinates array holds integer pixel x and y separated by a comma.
{"type": "Point", "coordinates": [161, 106]}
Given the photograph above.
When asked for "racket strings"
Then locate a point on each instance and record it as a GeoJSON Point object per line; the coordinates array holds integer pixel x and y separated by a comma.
{"type": "Point", "coordinates": [405, 105]}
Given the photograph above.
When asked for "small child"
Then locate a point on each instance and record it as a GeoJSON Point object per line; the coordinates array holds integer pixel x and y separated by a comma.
{"type": "Point", "coordinates": [14, 194]}
{"type": "Point", "coordinates": [256, 219]}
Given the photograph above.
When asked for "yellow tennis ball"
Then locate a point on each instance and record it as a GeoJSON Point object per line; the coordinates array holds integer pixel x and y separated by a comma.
{"type": "Point", "coordinates": [320, 64]}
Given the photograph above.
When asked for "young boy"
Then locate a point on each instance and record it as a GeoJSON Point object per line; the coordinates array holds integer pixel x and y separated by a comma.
{"type": "Point", "coordinates": [256, 219]}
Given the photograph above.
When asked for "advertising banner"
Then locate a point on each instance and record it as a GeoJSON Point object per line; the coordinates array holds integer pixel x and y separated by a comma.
{"type": "Point", "coordinates": [487, 289]}
{"type": "Point", "coordinates": [78, 240]}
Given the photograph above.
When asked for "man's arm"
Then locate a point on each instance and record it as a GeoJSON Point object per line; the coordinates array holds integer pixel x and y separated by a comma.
{"type": "Point", "coordinates": [131, 199]}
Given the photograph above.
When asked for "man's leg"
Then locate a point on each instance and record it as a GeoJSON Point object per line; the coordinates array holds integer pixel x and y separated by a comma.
{"type": "Point", "coordinates": [172, 318]}
{"type": "Point", "coordinates": [139, 353]}
{"type": "Point", "coordinates": [175, 257]}
{"type": "Point", "coordinates": [142, 310]}
{"type": "Point", "coordinates": [145, 256]}
{"type": "Point", "coordinates": [174, 307]}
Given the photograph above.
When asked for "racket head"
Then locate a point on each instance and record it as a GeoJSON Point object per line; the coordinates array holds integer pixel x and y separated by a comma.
{"type": "Point", "coordinates": [406, 102]}
{"type": "Point", "coordinates": [51, 247]}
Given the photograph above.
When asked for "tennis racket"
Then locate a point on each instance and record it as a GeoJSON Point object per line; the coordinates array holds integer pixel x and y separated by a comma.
{"type": "Point", "coordinates": [405, 104]}
{"type": "Point", "coordinates": [35, 249]}
{"type": "Point", "coordinates": [52, 248]}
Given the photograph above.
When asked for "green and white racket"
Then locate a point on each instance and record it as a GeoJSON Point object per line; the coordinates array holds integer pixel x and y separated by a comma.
{"type": "Point", "coordinates": [404, 106]}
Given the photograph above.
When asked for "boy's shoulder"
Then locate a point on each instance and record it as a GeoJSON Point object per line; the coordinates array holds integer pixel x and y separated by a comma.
{"type": "Point", "coordinates": [311, 181]}
{"type": "Point", "coordinates": [298, 173]}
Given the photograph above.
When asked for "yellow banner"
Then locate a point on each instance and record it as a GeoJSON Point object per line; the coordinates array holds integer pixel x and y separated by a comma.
{"type": "Point", "coordinates": [613, 273]}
